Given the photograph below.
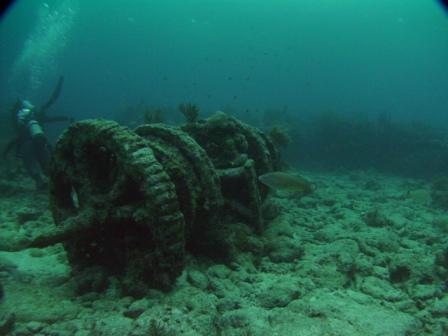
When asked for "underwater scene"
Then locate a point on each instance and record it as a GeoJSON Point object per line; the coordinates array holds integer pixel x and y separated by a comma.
{"type": "Point", "coordinates": [224, 168]}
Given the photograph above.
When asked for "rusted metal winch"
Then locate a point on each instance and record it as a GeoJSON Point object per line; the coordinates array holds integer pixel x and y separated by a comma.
{"type": "Point", "coordinates": [134, 201]}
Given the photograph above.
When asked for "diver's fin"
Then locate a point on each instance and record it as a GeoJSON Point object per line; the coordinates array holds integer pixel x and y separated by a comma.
{"type": "Point", "coordinates": [54, 95]}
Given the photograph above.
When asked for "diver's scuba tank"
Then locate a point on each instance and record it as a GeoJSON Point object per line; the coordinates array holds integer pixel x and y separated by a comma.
{"type": "Point", "coordinates": [35, 130]}
{"type": "Point", "coordinates": [26, 120]}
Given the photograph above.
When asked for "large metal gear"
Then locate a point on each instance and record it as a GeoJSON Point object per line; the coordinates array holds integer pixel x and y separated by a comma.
{"type": "Point", "coordinates": [109, 176]}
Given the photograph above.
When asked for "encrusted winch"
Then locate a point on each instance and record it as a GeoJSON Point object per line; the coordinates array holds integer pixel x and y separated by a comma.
{"type": "Point", "coordinates": [133, 202]}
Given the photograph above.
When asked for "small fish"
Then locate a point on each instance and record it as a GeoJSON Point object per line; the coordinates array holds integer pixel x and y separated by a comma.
{"type": "Point", "coordinates": [286, 184]}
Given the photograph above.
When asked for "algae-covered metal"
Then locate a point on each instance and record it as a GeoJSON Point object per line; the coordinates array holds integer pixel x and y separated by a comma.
{"type": "Point", "coordinates": [133, 202]}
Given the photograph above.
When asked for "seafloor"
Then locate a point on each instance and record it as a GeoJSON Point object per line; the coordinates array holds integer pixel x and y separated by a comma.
{"type": "Point", "coordinates": [366, 254]}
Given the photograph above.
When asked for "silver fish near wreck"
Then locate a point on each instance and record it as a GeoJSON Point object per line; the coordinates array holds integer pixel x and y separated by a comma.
{"type": "Point", "coordinates": [287, 184]}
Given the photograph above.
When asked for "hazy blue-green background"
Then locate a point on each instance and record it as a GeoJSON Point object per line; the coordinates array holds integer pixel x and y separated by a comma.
{"type": "Point", "coordinates": [348, 56]}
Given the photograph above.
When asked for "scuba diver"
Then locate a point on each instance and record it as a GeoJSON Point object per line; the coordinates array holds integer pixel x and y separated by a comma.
{"type": "Point", "coordinates": [31, 144]}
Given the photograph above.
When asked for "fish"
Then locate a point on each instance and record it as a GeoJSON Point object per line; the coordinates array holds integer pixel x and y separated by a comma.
{"type": "Point", "coordinates": [287, 184]}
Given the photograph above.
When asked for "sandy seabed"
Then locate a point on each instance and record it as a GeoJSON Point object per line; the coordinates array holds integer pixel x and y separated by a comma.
{"type": "Point", "coordinates": [365, 254]}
